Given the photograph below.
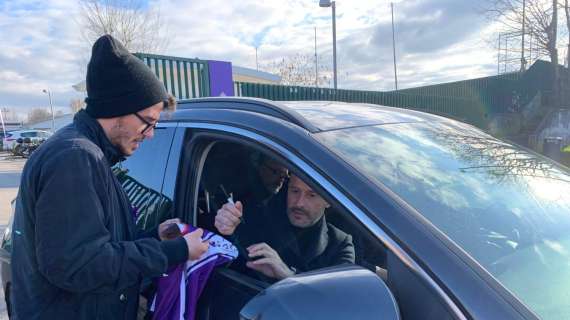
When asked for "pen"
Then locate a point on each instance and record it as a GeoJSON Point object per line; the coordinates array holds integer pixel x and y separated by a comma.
{"type": "Point", "coordinates": [231, 200]}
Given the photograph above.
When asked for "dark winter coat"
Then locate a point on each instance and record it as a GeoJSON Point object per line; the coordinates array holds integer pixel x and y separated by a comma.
{"type": "Point", "coordinates": [76, 251]}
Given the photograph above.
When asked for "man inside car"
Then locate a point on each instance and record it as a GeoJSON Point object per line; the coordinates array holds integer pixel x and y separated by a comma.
{"type": "Point", "coordinates": [266, 181]}
{"type": "Point", "coordinates": [289, 235]}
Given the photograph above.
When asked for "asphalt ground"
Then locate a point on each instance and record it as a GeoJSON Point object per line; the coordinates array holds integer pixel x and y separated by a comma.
{"type": "Point", "coordinates": [10, 172]}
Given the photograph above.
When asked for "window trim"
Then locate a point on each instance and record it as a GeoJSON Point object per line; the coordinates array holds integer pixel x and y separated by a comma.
{"type": "Point", "coordinates": [366, 221]}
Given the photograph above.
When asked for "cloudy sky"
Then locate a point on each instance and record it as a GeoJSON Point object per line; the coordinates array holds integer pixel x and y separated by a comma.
{"type": "Point", "coordinates": [436, 41]}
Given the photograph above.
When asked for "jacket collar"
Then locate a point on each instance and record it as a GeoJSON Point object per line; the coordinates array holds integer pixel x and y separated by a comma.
{"type": "Point", "coordinates": [318, 247]}
{"type": "Point", "coordinates": [317, 237]}
{"type": "Point", "coordinates": [94, 132]}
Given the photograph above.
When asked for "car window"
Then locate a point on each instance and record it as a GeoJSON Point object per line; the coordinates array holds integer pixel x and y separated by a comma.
{"type": "Point", "coordinates": [141, 176]}
{"type": "Point", "coordinates": [507, 208]}
{"type": "Point", "coordinates": [172, 167]}
{"type": "Point", "coordinates": [264, 187]}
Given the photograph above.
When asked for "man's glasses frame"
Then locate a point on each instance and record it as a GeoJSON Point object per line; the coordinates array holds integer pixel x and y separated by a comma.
{"type": "Point", "coordinates": [148, 124]}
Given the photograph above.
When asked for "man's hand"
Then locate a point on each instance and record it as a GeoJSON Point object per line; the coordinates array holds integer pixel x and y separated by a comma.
{"type": "Point", "coordinates": [196, 246]}
{"type": "Point", "coordinates": [164, 232]}
{"type": "Point", "coordinates": [269, 262]}
{"type": "Point", "coordinates": [228, 218]}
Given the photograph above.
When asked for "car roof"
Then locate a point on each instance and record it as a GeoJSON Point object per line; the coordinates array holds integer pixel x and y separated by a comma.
{"type": "Point", "coordinates": [26, 130]}
{"type": "Point", "coordinates": [315, 116]}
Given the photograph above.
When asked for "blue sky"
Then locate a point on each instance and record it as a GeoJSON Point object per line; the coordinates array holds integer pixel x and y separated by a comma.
{"type": "Point", "coordinates": [437, 41]}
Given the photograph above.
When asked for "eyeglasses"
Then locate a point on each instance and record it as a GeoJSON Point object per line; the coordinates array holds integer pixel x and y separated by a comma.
{"type": "Point", "coordinates": [148, 124]}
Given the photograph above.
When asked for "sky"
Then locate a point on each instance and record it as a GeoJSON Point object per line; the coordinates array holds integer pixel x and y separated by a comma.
{"type": "Point", "coordinates": [436, 41]}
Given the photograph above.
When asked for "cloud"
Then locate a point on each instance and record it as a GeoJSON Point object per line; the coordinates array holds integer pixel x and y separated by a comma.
{"type": "Point", "coordinates": [39, 51]}
{"type": "Point", "coordinates": [437, 41]}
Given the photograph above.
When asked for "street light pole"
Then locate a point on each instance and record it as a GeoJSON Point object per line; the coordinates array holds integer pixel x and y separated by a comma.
{"type": "Point", "coordinates": [394, 47]}
{"type": "Point", "coordinates": [256, 63]}
{"type": "Point", "coordinates": [2, 120]}
{"type": "Point", "coordinates": [316, 62]}
{"type": "Point", "coordinates": [324, 4]}
{"type": "Point", "coordinates": [523, 61]}
{"type": "Point", "coordinates": [51, 108]}
{"type": "Point", "coordinates": [334, 42]}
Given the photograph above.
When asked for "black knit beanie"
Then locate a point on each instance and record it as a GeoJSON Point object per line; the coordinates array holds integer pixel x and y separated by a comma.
{"type": "Point", "coordinates": [118, 83]}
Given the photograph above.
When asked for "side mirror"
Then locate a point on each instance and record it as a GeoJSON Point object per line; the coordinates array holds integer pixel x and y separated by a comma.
{"type": "Point", "coordinates": [341, 292]}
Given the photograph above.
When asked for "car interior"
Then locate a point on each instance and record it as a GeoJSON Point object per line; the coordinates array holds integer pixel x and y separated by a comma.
{"type": "Point", "coordinates": [225, 173]}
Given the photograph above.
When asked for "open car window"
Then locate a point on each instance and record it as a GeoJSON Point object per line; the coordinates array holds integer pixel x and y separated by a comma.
{"type": "Point", "coordinates": [237, 170]}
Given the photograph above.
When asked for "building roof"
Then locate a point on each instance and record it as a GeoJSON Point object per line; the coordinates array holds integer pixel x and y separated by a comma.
{"type": "Point", "coordinates": [236, 70]}
{"type": "Point", "coordinates": [59, 122]}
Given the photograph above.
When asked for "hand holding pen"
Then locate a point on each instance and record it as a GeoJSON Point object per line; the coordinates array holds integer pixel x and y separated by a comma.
{"type": "Point", "coordinates": [229, 216]}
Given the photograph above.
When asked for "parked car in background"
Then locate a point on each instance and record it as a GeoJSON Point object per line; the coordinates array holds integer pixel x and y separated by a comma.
{"type": "Point", "coordinates": [2, 135]}
{"type": "Point", "coordinates": [447, 221]}
{"type": "Point", "coordinates": [11, 138]}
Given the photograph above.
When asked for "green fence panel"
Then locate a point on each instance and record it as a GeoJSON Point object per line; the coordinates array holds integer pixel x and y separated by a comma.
{"type": "Point", "coordinates": [474, 101]}
{"type": "Point", "coordinates": [177, 79]}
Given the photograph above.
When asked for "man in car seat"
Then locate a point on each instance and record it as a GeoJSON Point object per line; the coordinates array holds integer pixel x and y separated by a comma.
{"type": "Point", "coordinates": [265, 180]}
{"type": "Point", "coordinates": [289, 235]}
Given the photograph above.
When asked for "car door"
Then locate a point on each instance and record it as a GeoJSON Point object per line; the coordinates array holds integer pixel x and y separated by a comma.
{"type": "Point", "coordinates": [142, 176]}
{"type": "Point", "coordinates": [228, 289]}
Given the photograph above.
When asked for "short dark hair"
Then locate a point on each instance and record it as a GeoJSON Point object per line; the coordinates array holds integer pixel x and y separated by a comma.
{"type": "Point", "coordinates": [170, 104]}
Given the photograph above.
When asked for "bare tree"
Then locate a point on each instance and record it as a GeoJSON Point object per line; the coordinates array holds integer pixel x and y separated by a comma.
{"type": "Point", "coordinates": [541, 23]}
{"type": "Point", "coordinates": [132, 22]}
{"type": "Point", "coordinates": [38, 114]}
{"type": "Point", "coordinates": [540, 18]}
{"type": "Point", "coordinates": [76, 105]}
{"type": "Point", "coordinates": [10, 114]}
{"type": "Point", "coordinates": [299, 70]}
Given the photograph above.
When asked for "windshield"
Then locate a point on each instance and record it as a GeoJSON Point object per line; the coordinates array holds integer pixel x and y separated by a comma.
{"type": "Point", "coordinates": [509, 209]}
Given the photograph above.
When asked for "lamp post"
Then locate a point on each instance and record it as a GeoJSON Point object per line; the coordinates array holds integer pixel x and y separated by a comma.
{"type": "Point", "coordinates": [256, 64]}
{"type": "Point", "coordinates": [325, 4]}
{"type": "Point", "coordinates": [394, 47]}
{"type": "Point", "coordinates": [51, 107]}
{"type": "Point", "coordinates": [2, 120]}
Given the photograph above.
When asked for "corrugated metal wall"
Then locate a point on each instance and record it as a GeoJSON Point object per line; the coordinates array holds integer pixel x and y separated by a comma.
{"type": "Point", "coordinates": [184, 78]}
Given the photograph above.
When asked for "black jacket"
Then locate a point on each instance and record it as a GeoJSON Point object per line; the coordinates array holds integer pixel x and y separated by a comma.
{"type": "Point", "coordinates": [75, 253]}
{"type": "Point", "coordinates": [322, 245]}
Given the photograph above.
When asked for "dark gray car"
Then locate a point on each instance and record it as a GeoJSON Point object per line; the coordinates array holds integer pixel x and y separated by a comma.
{"type": "Point", "coordinates": [447, 221]}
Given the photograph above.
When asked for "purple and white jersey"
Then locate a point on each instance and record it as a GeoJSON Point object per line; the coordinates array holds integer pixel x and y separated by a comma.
{"type": "Point", "coordinates": [178, 290]}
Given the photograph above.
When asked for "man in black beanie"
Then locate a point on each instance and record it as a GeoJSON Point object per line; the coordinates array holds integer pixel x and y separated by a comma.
{"type": "Point", "coordinates": [76, 251]}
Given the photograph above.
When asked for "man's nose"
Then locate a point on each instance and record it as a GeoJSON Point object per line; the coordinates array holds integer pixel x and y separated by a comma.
{"type": "Point", "coordinates": [300, 201]}
{"type": "Point", "coordinates": [149, 134]}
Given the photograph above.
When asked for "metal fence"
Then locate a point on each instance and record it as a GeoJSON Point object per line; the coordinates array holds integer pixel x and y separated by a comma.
{"type": "Point", "coordinates": [184, 78]}
{"type": "Point", "coordinates": [475, 101]}
{"type": "Point", "coordinates": [465, 109]}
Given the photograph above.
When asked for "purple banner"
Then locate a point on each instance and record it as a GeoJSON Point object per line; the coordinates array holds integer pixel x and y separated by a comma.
{"type": "Point", "coordinates": [221, 80]}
